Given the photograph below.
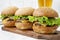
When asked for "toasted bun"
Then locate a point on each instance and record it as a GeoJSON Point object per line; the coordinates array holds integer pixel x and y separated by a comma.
{"type": "Point", "coordinates": [23, 25]}
{"type": "Point", "coordinates": [8, 23]}
{"type": "Point", "coordinates": [48, 12]}
{"type": "Point", "coordinates": [24, 11]}
{"type": "Point", "coordinates": [9, 11]}
{"type": "Point", "coordinates": [43, 29]}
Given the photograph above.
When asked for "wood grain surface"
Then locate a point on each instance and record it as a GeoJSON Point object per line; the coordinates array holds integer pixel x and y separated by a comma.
{"type": "Point", "coordinates": [30, 33]}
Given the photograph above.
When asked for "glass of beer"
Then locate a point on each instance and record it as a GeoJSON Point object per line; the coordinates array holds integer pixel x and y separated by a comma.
{"type": "Point", "coordinates": [45, 3]}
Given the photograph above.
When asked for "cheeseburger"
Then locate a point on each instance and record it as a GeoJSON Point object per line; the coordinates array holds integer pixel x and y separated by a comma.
{"type": "Point", "coordinates": [7, 16]}
{"type": "Point", "coordinates": [21, 16]}
{"type": "Point", "coordinates": [45, 20]}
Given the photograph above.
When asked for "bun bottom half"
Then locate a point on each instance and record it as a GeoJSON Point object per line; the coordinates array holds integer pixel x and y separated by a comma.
{"type": "Point", "coordinates": [23, 25]}
{"type": "Point", "coordinates": [43, 29]}
{"type": "Point", "coordinates": [8, 23]}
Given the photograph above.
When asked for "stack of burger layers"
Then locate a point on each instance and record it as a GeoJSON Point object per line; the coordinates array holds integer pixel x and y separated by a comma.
{"type": "Point", "coordinates": [41, 20]}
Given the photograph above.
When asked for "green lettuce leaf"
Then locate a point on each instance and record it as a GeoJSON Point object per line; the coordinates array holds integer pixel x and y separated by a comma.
{"type": "Point", "coordinates": [2, 16]}
{"type": "Point", "coordinates": [45, 20]}
{"type": "Point", "coordinates": [15, 17]}
{"type": "Point", "coordinates": [19, 17]}
{"type": "Point", "coordinates": [57, 21]}
{"type": "Point", "coordinates": [31, 18]}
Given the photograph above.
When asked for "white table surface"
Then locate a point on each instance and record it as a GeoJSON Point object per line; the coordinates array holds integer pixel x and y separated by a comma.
{"type": "Point", "coordinates": [4, 35]}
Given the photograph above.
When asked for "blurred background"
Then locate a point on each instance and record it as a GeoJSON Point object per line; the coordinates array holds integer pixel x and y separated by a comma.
{"type": "Point", "coordinates": [27, 3]}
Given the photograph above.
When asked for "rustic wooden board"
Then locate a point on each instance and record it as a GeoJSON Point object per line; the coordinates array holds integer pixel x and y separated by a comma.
{"type": "Point", "coordinates": [30, 33]}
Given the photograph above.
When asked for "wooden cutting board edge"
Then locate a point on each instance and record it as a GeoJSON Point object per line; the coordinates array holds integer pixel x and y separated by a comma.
{"type": "Point", "coordinates": [3, 28]}
{"type": "Point", "coordinates": [32, 35]}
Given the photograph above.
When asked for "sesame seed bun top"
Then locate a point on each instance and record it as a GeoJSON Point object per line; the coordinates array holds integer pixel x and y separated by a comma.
{"type": "Point", "coordinates": [9, 11]}
{"type": "Point", "coordinates": [48, 12]}
{"type": "Point", "coordinates": [24, 11]}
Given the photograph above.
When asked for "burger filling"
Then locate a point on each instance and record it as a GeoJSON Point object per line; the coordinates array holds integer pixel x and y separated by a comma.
{"type": "Point", "coordinates": [22, 19]}
{"type": "Point", "coordinates": [10, 18]}
{"type": "Point", "coordinates": [44, 21]}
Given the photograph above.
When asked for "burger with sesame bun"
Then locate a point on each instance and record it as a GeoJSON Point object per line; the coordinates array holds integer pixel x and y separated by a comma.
{"type": "Point", "coordinates": [45, 20]}
{"type": "Point", "coordinates": [21, 16]}
{"type": "Point", "coordinates": [7, 16]}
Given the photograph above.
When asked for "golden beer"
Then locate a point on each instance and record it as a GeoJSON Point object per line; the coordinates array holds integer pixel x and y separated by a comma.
{"type": "Point", "coordinates": [44, 3]}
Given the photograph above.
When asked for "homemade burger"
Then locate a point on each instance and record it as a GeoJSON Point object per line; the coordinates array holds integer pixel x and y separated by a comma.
{"type": "Point", "coordinates": [7, 16]}
{"type": "Point", "coordinates": [21, 16]}
{"type": "Point", "coordinates": [45, 20]}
